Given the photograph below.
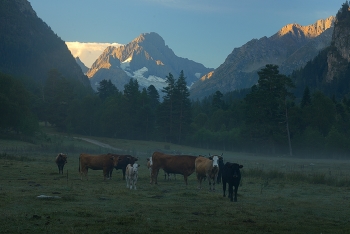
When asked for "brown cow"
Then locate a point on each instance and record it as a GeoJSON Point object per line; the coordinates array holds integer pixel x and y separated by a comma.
{"type": "Point", "coordinates": [105, 162]}
{"type": "Point", "coordinates": [207, 168]}
{"type": "Point", "coordinates": [124, 160]}
{"type": "Point", "coordinates": [176, 164]}
{"type": "Point", "coordinates": [61, 160]}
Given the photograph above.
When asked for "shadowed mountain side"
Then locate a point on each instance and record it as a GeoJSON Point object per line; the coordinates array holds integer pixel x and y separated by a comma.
{"type": "Point", "coordinates": [29, 47]}
{"type": "Point", "coordinates": [84, 68]}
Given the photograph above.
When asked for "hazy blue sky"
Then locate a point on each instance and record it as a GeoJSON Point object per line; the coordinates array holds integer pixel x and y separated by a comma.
{"type": "Point", "coordinates": [205, 31]}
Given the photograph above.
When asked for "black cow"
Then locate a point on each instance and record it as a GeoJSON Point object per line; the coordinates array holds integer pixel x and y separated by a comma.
{"type": "Point", "coordinates": [124, 160]}
{"type": "Point", "coordinates": [231, 175]}
{"type": "Point", "coordinates": [221, 168]}
{"type": "Point", "coordinates": [61, 160]}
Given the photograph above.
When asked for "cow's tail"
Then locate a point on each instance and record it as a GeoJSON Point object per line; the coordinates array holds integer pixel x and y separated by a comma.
{"type": "Point", "coordinates": [79, 163]}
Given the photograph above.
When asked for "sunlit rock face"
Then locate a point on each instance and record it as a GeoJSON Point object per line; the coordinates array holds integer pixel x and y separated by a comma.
{"type": "Point", "coordinates": [290, 48]}
{"type": "Point", "coordinates": [88, 52]}
{"type": "Point", "coordinates": [147, 59]}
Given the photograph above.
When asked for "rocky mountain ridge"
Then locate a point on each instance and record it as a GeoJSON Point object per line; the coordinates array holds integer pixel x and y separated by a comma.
{"type": "Point", "coordinates": [290, 48]}
{"type": "Point", "coordinates": [148, 59]}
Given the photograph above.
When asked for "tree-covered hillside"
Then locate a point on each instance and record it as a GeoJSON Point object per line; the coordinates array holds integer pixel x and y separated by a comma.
{"type": "Point", "coordinates": [29, 47]}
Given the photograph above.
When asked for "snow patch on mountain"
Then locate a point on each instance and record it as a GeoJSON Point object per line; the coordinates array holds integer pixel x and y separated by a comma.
{"type": "Point", "coordinates": [158, 82]}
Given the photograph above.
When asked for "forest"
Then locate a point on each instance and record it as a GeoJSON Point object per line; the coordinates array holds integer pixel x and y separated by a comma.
{"type": "Point", "coordinates": [266, 119]}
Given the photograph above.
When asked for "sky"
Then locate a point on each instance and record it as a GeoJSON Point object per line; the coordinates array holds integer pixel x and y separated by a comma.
{"type": "Point", "coordinates": [205, 31]}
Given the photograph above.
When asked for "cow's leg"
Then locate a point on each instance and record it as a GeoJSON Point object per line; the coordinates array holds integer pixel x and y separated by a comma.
{"type": "Point", "coordinates": [150, 176]}
{"type": "Point", "coordinates": [230, 192]}
{"type": "Point", "coordinates": [135, 179]}
{"type": "Point", "coordinates": [209, 180]}
{"type": "Point", "coordinates": [84, 173]}
{"type": "Point", "coordinates": [199, 180]}
{"type": "Point", "coordinates": [105, 173]}
{"type": "Point", "coordinates": [123, 173]}
{"type": "Point", "coordinates": [156, 178]}
{"type": "Point", "coordinates": [224, 188]}
{"type": "Point", "coordinates": [127, 181]}
{"type": "Point", "coordinates": [236, 189]}
{"type": "Point", "coordinates": [185, 178]}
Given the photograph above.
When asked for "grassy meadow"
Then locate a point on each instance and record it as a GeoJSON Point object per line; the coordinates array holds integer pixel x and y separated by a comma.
{"type": "Point", "coordinates": [277, 194]}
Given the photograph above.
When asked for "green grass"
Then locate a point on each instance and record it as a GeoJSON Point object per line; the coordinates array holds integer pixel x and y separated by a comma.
{"type": "Point", "coordinates": [277, 195]}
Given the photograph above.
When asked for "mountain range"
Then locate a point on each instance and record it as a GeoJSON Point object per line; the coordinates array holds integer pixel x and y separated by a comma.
{"type": "Point", "coordinates": [147, 59]}
{"type": "Point", "coordinates": [30, 48]}
{"type": "Point", "coordinates": [290, 48]}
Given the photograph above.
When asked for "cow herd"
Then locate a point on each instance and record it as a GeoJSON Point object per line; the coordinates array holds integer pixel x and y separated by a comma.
{"type": "Point", "coordinates": [212, 168]}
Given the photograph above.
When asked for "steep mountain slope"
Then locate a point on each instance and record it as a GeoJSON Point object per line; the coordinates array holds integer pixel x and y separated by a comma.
{"type": "Point", "coordinates": [146, 59]}
{"type": "Point", "coordinates": [28, 47]}
{"type": "Point", "coordinates": [290, 48]}
{"type": "Point", "coordinates": [84, 68]}
{"type": "Point", "coordinates": [329, 71]}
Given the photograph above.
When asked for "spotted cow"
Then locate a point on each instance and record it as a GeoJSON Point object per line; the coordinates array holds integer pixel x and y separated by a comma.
{"type": "Point", "coordinates": [131, 175]}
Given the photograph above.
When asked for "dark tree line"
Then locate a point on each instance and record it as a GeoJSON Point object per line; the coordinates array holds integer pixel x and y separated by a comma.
{"type": "Point", "coordinates": [264, 119]}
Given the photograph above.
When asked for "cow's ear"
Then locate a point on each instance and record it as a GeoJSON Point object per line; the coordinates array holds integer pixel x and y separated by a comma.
{"type": "Point", "coordinates": [147, 159]}
{"type": "Point", "coordinates": [138, 165]}
{"type": "Point", "coordinates": [211, 157]}
{"type": "Point", "coordinates": [240, 166]}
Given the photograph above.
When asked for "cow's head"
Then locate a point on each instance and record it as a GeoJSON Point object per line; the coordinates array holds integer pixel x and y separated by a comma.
{"type": "Point", "coordinates": [215, 159]}
{"type": "Point", "coordinates": [131, 160]}
{"type": "Point", "coordinates": [135, 167]}
{"type": "Point", "coordinates": [63, 157]}
{"type": "Point", "coordinates": [116, 159]}
{"type": "Point", "coordinates": [149, 162]}
{"type": "Point", "coordinates": [234, 168]}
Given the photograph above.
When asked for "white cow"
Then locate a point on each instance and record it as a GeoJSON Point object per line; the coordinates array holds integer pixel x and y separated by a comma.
{"type": "Point", "coordinates": [131, 175]}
